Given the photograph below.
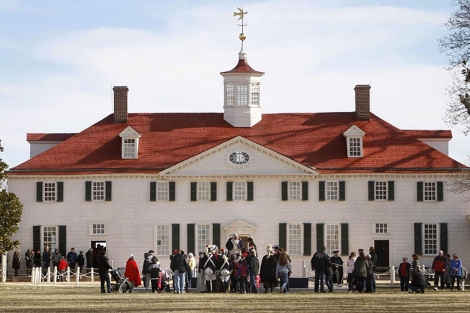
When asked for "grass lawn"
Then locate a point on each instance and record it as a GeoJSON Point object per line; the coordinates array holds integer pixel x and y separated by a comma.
{"type": "Point", "coordinates": [46, 298]}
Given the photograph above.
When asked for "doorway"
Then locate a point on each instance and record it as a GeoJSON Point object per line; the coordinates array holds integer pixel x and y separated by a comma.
{"type": "Point", "coordinates": [382, 248]}
{"type": "Point", "coordinates": [97, 247]}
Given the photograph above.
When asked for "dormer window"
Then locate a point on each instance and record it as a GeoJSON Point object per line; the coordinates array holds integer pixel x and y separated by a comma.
{"type": "Point", "coordinates": [130, 143]}
{"type": "Point", "coordinates": [354, 137]}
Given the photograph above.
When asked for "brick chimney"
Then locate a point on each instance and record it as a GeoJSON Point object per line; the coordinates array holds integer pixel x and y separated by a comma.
{"type": "Point", "coordinates": [362, 102]}
{"type": "Point", "coordinates": [120, 104]}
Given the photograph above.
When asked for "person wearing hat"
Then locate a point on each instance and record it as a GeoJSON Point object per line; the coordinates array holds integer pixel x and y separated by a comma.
{"type": "Point", "coordinates": [404, 271]}
{"type": "Point", "coordinates": [337, 266]}
{"type": "Point", "coordinates": [268, 273]}
{"type": "Point", "coordinates": [253, 265]}
{"type": "Point", "coordinates": [234, 244]}
{"type": "Point", "coordinates": [132, 271]}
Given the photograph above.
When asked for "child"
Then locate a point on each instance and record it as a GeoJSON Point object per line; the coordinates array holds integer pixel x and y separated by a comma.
{"type": "Point", "coordinates": [243, 272]}
{"type": "Point", "coordinates": [404, 273]}
{"type": "Point", "coordinates": [62, 267]}
{"type": "Point", "coordinates": [154, 270]}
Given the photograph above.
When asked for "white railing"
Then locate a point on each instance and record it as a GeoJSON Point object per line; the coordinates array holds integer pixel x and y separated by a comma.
{"type": "Point", "coordinates": [37, 276]}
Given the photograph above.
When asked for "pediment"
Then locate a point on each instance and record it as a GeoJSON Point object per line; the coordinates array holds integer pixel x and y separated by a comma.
{"type": "Point", "coordinates": [354, 131]}
{"type": "Point", "coordinates": [238, 157]}
{"type": "Point", "coordinates": [129, 132]}
{"type": "Point", "coordinates": [240, 227]}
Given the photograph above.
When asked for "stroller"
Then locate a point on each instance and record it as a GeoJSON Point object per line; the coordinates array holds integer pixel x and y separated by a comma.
{"type": "Point", "coordinates": [122, 283]}
{"type": "Point", "coordinates": [164, 281]}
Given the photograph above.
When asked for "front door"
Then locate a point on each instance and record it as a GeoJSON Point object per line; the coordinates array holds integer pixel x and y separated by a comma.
{"type": "Point", "coordinates": [382, 248]}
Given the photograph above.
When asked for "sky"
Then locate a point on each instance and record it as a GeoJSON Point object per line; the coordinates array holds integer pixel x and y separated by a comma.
{"type": "Point", "coordinates": [60, 59]}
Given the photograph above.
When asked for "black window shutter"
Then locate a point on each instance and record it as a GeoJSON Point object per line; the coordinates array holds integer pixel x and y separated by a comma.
{"type": "Point", "coordinates": [391, 190]}
{"type": "Point", "coordinates": [193, 191]}
{"type": "Point", "coordinates": [213, 191]}
{"type": "Point", "coordinates": [283, 235]}
{"type": "Point", "coordinates": [321, 190]}
{"type": "Point", "coordinates": [344, 239]}
{"type": "Point", "coordinates": [39, 191]}
{"type": "Point", "coordinates": [109, 190]}
{"type": "Point", "coordinates": [36, 238]}
{"type": "Point", "coordinates": [172, 191]}
{"type": "Point", "coordinates": [229, 191]}
{"type": "Point", "coordinates": [175, 236]}
{"type": "Point", "coordinates": [153, 191]}
{"type": "Point", "coordinates": [304, 190]}
{"type": "Point", "coordinates": [307, 238]}
{"type": "Point", "coordinates": [250, 193]}
{"type": "Point", "coordinates": [284, 192]}
{"type": "Point", "coordinates": [418, 238]}
{"type": "Point", "coordinates": [60, 191]}
{"type": "Point", "coordinates": [443, 237]}
{"type": "Point", "coordinates": [371, 190]}
{"type": "Point", "coordinates": [320, 241]}
{"type": "Point", "coordinates": [63, 239]}
{"type": "Point", "coordinates": [216, 234]}
{"type": "Point", "coordinates": [342, 190]}
{"type": "Point", "coordinates": [191, 239]}
{"type": "Point", "coordinates": [88, 191]}
{"type": "Point", "coordinates": [440, 191]}
{"type": "Point", "coordinates": [419, 190]}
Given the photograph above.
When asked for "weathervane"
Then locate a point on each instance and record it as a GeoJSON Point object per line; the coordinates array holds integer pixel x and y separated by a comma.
{"type": "Point", "coordinates": [240, 15]}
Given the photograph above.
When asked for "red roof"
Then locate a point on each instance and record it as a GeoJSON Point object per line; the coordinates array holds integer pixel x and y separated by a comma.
{"type": "Point", "coordinates": [242, 67]}
{"type": "Point", "coordinates": [430, 134]}
{"type": "Point", "coordinates": [312, 139]}
{"type": "Point", "coordinates": [48, 137]}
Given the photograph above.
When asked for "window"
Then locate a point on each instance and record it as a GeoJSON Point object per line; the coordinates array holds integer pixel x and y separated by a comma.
{"type": "Point", "coordinates": [332, 237]}
{"type": "Point", "coordinates": [380, 190]}
{"type": "Point", "coordinates": [203, 236]}
{"type": "Point", "coordinates": [430, 239]}
{"type": "Point", "coordinates": [294, 239]}
{"type": "Point", "coordinates": [332, 190]}
{"type": "Point", "coordinates": [239, 191]}
{"type": "Point", "coordinates": [203, 191]}
{"type": "Point", "coordinates": [50, 237]}
{"type": "Point", "coordinates": [255, 94]}
{"type": "Point", "coordinates": [430, 191]}
{"type": "Point", "coordinates": [162, 239]}
{"type": "Point", "coordinates": [354, 147]}
{"type": "Point", "coordinates": [162, 191]}
{"type": "Point", "coordinates": [129, 149]}
{"type": "Point", "coordinates": [97, 229]}
{"type": "Point", "coordinates": [242, 95]}
{"type": "Point", "coordinates": [98, 190]}
{"type": "Point", "coordinates": [381, 228]}
{"type": "Point", "coordinates": [295, 190]}
{"type": "Point", "coordinates": [50, 191]}
{"type": "Point", "coordinates": [230, 95]}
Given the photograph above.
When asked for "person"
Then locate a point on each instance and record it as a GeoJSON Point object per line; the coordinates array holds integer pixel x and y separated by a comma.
{"type": "Point", "coordinates": [81, 261]}
{"type": "Point", "coordinates": [103, 270]}
{"type": "Point", "coordinates": [319, 264]}
{"type": "Point", "coordinates": [56, 257]}
{"type": "Point", "coordinates": [234, 280]}
{"type": "Point", "coordinates": [268, 270]}
{"type": "Point", "coordinates": [201, 284]}
{"type": "Point", "coordinates": [361, 267]}
{"type": "Point", "coordinates": [438, 266]}
{"type": "Point", "coordinates": [89, 258]}
{"type": "Point", "coordinates": [132, 271]}
{"type": "Point", "coordinates": [415, 263]}
{"type": "Point", "coordinates": [145, 271]}
{"type": "Point", "coordinates": [277, 253]}
{"type": "Point", "coordinates": [447, 277]}
{"type": "Point", "coordinates": [463, 278]}
{"type": "Point", "coordinates": [283, 270]}
{"type": "Point", "coordinates": [154, 270]}
{"type": "Point", "coordinates": [37, 259]}
{"type": "Point", "coordinates": [337, 266]}
{"type": "Point", "coordinates": [178, 265]}
{"type": "Point", "coordinates": [404, 271]}
{"type": "Point", "coordinates": [252, 246]}
{"type": "Point", "coordinates": [16, 261]}
{"type": "Point", "coordinates": [192, 266]}
{"type": "Point", "coordinates": [46, 258]}
{"type": "Point", "coordinates": [455, 271]}
{"type": "Point", "coordinates": [350, 271]}
{"type": "Point", "coordinates": [72, 258]}
{"type": "Point", "coordinates": [234, 244]}
{"type": "Point", "coordinates": [418, 282]}
{"type": "Point", "coordinates": [253, 264]}
{"type": "Point", "coordinates": [62, 268]}
{"type": "Point", "coordinates": [210, 269]}
{"type": "Point", "coordinates": [243, 272]}
{"type": "Point", "coordinates": [374, 259]}
{"type": "Point", "coordinates": [224, 269]}
{"type": "Point", "coordinates": [29, 258]}
{"type": "Point", "coordinates": [150, 255]}
{"type": "Point", "coordinates": [370, 275]}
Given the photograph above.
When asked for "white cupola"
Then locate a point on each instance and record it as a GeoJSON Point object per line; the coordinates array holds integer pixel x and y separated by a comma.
{"type": "Point", "coordinates": [242, 99]}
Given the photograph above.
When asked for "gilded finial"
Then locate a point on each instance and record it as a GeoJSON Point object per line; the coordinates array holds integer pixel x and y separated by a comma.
{"type": "Point", "coordinates": [241, 15]}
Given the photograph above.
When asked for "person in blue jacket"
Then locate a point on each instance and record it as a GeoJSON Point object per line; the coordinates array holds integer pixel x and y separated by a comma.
{"type": "Point", "coordinates": [455, 271]}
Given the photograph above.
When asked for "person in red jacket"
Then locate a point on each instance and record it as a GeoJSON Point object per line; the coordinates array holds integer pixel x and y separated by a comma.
{"type": "Point", "coordinates": [439, 268]}
{"type": "Point", "coordinates": [132, 271]}
{"type": "Point", "coordinates": [62, 268]}
{"type": "Point", "coordinates": [404, 274]}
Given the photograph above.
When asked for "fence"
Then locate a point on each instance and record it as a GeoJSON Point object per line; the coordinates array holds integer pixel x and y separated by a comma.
{"type": "Point", "coordinates": [37, 276]}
